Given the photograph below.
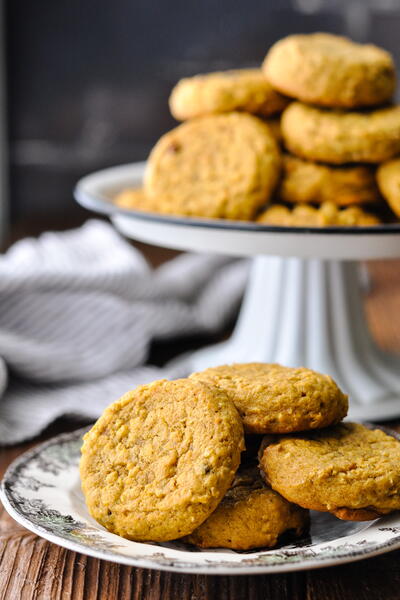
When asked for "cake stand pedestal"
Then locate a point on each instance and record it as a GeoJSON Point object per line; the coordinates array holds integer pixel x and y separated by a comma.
{"type": "Point", "coordinates": [302, 305]}
{"type": "Point", "coordinates": [310, 313]}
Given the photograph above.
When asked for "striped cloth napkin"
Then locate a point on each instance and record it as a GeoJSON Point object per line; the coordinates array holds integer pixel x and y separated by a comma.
{"type": "Point", "coordinates": [78, 311]}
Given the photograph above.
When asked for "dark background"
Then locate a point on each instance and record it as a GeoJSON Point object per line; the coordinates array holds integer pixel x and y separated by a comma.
{"type": "Point", "coordinates": [88, 81]}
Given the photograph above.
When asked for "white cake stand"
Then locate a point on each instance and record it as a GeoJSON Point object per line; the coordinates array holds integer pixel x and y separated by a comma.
{"type": "Point", "coordinates": [302, 305]}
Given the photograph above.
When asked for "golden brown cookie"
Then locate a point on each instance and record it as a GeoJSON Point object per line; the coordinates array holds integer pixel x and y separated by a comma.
{"type": "Point", "coordinates": [251, 515]}
{"type": "Point", "coordinates": [326, 215]}
{"type": "Point", "coordinates": [341, 137]}
{"type": "Point", "coordinates": [274, 123]}
{"type": "Point", "coordinates": [220, 166]}
{"type": "Point", "coordinates": [305, 181]}
{"type": "Point", "coordinates": [388, 176]}
{"type": "Point", "coordinates": [135, 199]}
{"type": "Point", "coordinates": [330, 70]}
{"type": "Point", "coordinates": [225, 91]}
{"type": "Point", "coordinates": [158, 461]}
{"type": "Point", "coordinates": [275, 399]}
{"type": "Point", "coordinates": [348, 470]}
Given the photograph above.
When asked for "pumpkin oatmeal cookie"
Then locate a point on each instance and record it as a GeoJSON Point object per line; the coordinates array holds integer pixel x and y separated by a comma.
{"type": "Point", "coordinates": [348, 470]}
{"type": "Point", "coordinates": [330, 70]}
{"type": "Point", "coordinates": [341, 137]}
{"type": "Point", "coordinates": [135, 199]}
{"type": "Point", "coordinates": [388, 176]}
{"type": "Point", "coordinates": [220, 166]}
{"type": "Point", "coordinates": [225, 91]}
{"type": "Point", "coordinates": [274, 123]}
{"type": "Point", "coordinates": [304, 181]}
{"type": "Point", "coordinates": [326, 215]}
{"type": "Point", "coordinates": [252, 442]}
{"type": "Point", "coordinates": [157, 462]}
{"type": "Point", "coordinates": [275, 399]}
{"type": "Point", "coordinates": [251, 515]}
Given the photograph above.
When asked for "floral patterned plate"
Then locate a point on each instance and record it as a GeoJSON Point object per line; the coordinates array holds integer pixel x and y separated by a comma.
{"type": "Point", "coordinates": [41, 490]}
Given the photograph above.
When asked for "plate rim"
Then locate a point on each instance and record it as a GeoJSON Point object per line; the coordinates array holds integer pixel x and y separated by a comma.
{"type": "Point", "coordinates": [148, 563]}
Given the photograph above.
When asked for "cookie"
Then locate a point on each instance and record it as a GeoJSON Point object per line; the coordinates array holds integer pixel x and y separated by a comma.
{"type": "Point", "coordinates": [341, 137]}
{"type": "Point", "coordinates": [304, 181]}
{"type": "Point", "coordinates": [275, 399]}
{"type": "Point", "coordinates": [135, 199]}
{"type": "Point", "coordinates": [330, 70]}
{"type": "Point", "coordinates": [348, 470]}
{"type": "Point", "coordinates": [388, 176]}
{"type": "Point", "coordinates": [225, 91]}
{"type": "Point", "coordinates": [158, 461]}
{"type": "Point", "coordinates": [251, 515]}
{"type": "Point", "coordinates": [326, 215]}
{"type": "Point", "coordinates": [274, 123]}
{"type": "Point", "coordinates": [221, 166]}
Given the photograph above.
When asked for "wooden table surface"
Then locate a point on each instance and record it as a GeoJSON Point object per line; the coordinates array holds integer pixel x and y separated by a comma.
{"type": "Point", "coordinates": [31, 567]}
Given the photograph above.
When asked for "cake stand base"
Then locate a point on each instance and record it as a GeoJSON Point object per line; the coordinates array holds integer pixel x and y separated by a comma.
{"type": "Point", "coordinates": [310, 313]}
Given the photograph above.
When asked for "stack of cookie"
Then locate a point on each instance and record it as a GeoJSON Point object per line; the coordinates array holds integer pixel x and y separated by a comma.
{"type": "Point", "coordinates": [233, 158]}
{"type": "Point", "coordinates": [222, 162]}
{"type": "Point", "coordinates": [168, 460]}
{"type": "Point", "coordinates": [341, 124]}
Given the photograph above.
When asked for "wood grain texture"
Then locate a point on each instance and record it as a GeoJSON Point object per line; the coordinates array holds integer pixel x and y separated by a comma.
{"type": "Point", "coordinates": [31, 568]}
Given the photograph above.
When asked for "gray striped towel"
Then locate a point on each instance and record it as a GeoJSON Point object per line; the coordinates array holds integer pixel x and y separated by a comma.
{"type": "Point", "coordinates": [78, 311]}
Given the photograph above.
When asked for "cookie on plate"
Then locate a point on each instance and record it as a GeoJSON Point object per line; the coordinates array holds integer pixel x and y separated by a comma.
{"type": "Point", "coordinates": [330, 70]}
{"type": "Point", "coordinates": [157, 462]}
{"type": "Point", "coordinates": [219, 166]}
{"type": "Point", "coordinates": [225, 91]}
{"type": "Point", "coordinates": [275, 399]}
{"type": "Point", "coordinates": [135, 199]}
{"type": "Point", "coordinates": [341, 137]}
{"type": "Point", "coordinates": [305, 181]}
{"type": "Point", "coordinates": [348, 470]}
{"type": "Point", "coordinates": [388, 176]}
{"type": "Point", "coordinates": [274, 123]}
{"type": "Point", "coordinates": [251, 515]}
{"type": "Point", "coordinates": [326, 215]}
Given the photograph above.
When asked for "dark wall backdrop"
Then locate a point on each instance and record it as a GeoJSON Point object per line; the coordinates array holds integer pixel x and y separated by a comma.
{"type": "Point", "coordinates": [88, 80]}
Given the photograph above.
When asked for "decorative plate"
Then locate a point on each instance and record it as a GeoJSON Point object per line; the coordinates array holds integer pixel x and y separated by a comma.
{"type": "Point", "coordinates": [41, 490]}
